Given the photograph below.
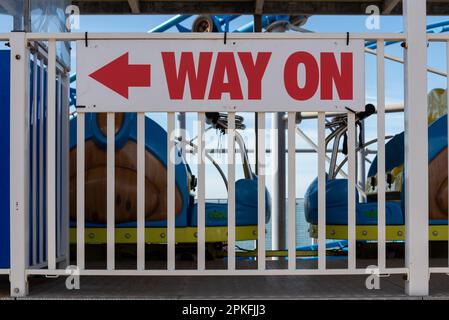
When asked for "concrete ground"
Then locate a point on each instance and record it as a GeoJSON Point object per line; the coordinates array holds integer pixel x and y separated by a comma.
{"type": "Point", "coordinates": [227, 287]}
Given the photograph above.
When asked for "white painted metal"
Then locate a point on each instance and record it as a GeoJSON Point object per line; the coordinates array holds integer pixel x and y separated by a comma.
{"type": "Point", "coordinates": [141, 191]}
{"type": "Point", "coordinates": [416, 161]}
{"type": "Point", "coordinates": [321, 191]}
{"type": "Point", "coordinates": [261, 259]}
{"type": "Point", "coordinates": [201, 193]}
{"type": "Point", "coordinates": [231, 190]}
{"type": "Point", "coordinates": [213, 272]}
{"type": "Point", "coordinates": [110, 192]}
{"type": "Point", "coordinates": [381, 220]}
{"type": "Point", "coordinates": [210, 36]}
{"type": "Point", "coordinates": [65, 209]}
{"type": "Point", "coordinates": [291, 191]}
{"type": "Point", "coordinates": [351, 191]}
{"type": "Point", "coordinates": [34, 155]}
{"type": "Point", "coordinates": [171, 189]}
{"type": "Point", "coordinates": [19, 169]}
{"type": "Point", "coordinates": [41, 162]}
{"type": "Point", "coordinates": [447, 99]}
{"type": "Point", "coordinates": [58, 126]}
{"type": "Point", "coordinates": [80, 190]}
{"type": "Point", "coordinates": [51, 155]}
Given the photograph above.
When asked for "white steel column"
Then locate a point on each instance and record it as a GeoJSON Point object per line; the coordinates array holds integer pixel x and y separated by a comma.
{"type": "Point", "coordinates": [291, 191]}
{"type": "Point", "coordinates": [141, 191]}
{"type": "Point", "coordinates": [19, 174]}
{"type": "Point", "coordinates": [381, 258]}
{"type": "Point", "coordinates": [51, 155]}
{"type": "Point", "coordinates": [201, 211]}
{"type": "Point", "coordinates": [231, 191]}
{"type": "Point", "coordinates": [321, 191]}
{"type": "Point", "coordinates": [110, 219]}
{"type": "Point", "coordinates": [261, 201]}
{"type": "Point", "coordinates": [80, 189]}
{"type": "Point", "coordinates": [171, 189]}
{"type": "Point", "coordinates": [416, 159]}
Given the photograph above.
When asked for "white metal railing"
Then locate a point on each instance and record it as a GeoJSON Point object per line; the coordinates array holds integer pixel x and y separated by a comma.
{"type": "Point", "coordinates": [171, 241]}
{"type": "Point", "coordinates": [20, 268]}
{"type": "Point", "coordinates": [442, 38]}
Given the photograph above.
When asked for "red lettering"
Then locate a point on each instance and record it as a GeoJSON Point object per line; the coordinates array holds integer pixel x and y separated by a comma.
{"type": "Point", "coordinates": [176, 80]}
{"type": "Point", "coordinates": [254, 72]}
{"type": "Point", "coordinates": [291, 76]}
{"type": "Point", "coordinates": [225, 65]}
{"type": "Point", "coordinates": [331, 75]}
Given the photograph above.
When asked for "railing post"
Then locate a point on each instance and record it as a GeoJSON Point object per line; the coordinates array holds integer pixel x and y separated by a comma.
{"type": "Point", "coordinates": [416, 159]}
{"type": "Point", "coordinates": [19, 151]}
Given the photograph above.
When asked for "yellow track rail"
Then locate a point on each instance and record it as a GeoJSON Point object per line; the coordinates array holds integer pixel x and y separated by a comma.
{"type": "Point", "coordinates": [369, 233]}
{"type": "Point", "coordinates": [159, 235]}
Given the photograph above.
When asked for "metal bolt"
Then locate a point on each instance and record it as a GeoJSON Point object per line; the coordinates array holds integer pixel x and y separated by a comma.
{"type": "Point", "coordinates": [127, 236]}
{"type": "Point", "coordinates": [400, 233]}
{"type": "Point", "coordinates": [162, 235]}
{"type": "Point", "coordinates": [16, 290]}
{"type": "Point", "coordinates": [435, 233]}
{"type": "Point", "coordinates": [91, 235]}
{"type": "Point", "coordinates": [364, 232]}
{"type": "Point", "coordinates": [195, 234]}
{"type": "Point", "coordinates": [18, 56]}
{"type": "Point", "coordinates": [333, 232]}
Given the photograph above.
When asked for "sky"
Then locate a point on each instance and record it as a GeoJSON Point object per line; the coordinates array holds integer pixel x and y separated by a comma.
{"type": "Point", "coordinates": [306, 164]}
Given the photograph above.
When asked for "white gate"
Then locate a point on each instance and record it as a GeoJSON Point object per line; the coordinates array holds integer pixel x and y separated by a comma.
{"type": "Point", "coordinates": [416, 266]}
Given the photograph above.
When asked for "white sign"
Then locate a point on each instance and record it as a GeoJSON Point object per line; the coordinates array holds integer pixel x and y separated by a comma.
{"type": "Point", "coordinates": [252, 74]}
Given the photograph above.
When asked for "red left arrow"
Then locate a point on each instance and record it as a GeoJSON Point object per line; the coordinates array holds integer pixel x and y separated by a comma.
{"type": "Point", "coordinates": [118, 75]}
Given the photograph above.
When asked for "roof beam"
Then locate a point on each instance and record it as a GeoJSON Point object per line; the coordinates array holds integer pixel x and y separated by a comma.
{"type": "Point", "coordinates": [259, 7]}
{"type": "Point", "coordinates": [389, 6]}
{"type": "Point", "coordinates": [134, 6]}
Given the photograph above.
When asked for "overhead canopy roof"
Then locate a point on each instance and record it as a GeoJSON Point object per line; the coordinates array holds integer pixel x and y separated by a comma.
{"type": "Point", "coordinates": [291, 7]}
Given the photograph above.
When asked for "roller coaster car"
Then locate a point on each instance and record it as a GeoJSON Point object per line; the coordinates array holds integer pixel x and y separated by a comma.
{"type": "Point", "coordinates": [366, 212]}
{"type": "Point", "coordinates": [155, 185]}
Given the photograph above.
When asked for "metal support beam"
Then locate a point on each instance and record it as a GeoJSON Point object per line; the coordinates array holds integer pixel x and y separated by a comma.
{"type": "Point", "coordinates": [259, 7]}
{"type": "Point", "coordinates": [278, 240]}
{"type": "Point", "coordinates": [389, 6]}
{"type": "Point", "coordinates": [416, 162]}
{"type": "Point", "coordinates": [19, 155]}
{"type": "Point", "coordinates": [134, 6]}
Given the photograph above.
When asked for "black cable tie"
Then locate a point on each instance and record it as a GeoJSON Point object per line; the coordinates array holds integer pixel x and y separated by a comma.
{"type": "Point", "coordinates": [347, 38]}
{"type": "Point", "coordinates": [225, 37]}
{"type": "Point", "coordinates": [86, 43]}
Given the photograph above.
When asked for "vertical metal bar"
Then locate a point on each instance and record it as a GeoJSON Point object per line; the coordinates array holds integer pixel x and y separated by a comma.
{"type": "Point", "coordinates": [35, 208]}
{"type": "Point", "coordinates": [58, 164]}
{"type": "Point", "coordinates": [66, 168]}
{"type": "Point", "coordinates": [201, 193]}
{"type": "Point", "coordinates": [141, 191]}
{"type": "Point", "coordinates": [381, 258]}
{"type": "Point", "coordinates": [51, 155]}
{"type": "Point", "coordinates": [80, 193]}
{"type": "Point", "coordinates": [19, 170]}
{"type": "Point", "coordinates": [351, 191]}
{"type": "Point", "coordinates": [41, 162]}
{"type": "Point", "coordinates": [447, 99]}
{"type": "Point", "coordinates": [278, 223]}
{"type": "Point", "coordinates": [291, 191]}
{"type": "Point", "coordinates": [171, 189]}
{"type": "Point", "coordinates": [231, 190]}
{"type": "Point", "coordinates": [416, 149]}
{"type": "Point", "coordinates": [261, 259]}
{"type": "Point", "coordinates": [110, 223]}
{"type": "Point", "coordinates": [321, 191]}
